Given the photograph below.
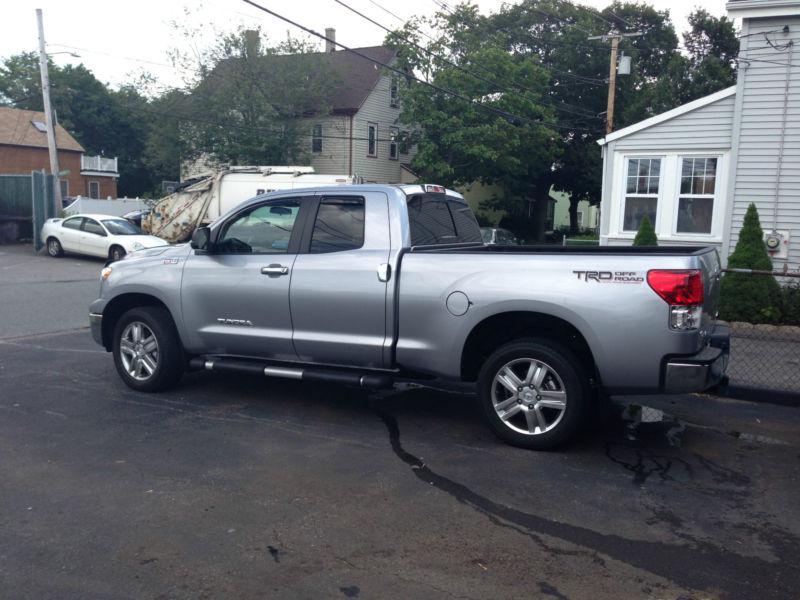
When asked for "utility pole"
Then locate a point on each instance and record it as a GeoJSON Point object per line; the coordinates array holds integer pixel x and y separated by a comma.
{"type": "Point", "coordinates": [48, 111]}
{"type": "Point", "coordinates": [615, 37]}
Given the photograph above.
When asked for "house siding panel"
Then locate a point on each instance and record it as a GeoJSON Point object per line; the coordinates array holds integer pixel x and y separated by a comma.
{"type": "Point", "coordinates": [334, 158]}
{"type": "Point", "coordinates": [706, 127]}
{"type": "Point", "coordinates": [377, 109]}
{"type": "Point", "coordinates": [762, 87]}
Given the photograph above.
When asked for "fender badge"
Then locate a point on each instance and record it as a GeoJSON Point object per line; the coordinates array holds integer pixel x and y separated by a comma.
{"type": "Point", "coordinates": [170, 261]}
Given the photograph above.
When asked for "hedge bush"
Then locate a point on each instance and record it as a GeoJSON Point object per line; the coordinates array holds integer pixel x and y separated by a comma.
{"type": "Point", "coordinates": [646, 236]}
{"type": "Point", "coordinates": [747, 297]}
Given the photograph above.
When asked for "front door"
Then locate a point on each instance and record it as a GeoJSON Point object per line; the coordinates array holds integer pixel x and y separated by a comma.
{"type": "Point", "coordinates": [339, 282]}
{"type": "Point", "coordinates": [235, 299]}
{"type": "Point", "coordinates": [94, 239]}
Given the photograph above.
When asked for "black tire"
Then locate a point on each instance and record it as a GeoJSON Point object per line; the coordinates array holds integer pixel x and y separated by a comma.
{"type": "Point", "coordinates": [54, 248]}
{"type": "Point", "coordinates": [116, 253]}
{"type": "Point", "coordinates": [169, 362]}
{"type": "Point", "coordinates": [563, 372]}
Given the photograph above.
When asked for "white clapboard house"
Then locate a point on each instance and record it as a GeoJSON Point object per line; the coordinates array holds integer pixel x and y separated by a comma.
{"type": "Point", "coordinates": [695, 169]}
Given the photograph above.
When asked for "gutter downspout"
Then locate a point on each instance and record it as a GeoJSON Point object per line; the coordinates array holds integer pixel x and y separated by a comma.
{"type": "Point", "coordinates": [350, 167]}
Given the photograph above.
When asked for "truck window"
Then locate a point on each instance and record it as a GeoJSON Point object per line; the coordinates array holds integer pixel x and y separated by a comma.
{"type": "Point", "coordinates": [436, 219]}
{"type": "Point", "coordinates": [339, 225]}
{"type": "Point", "coordinates": [264, 229]}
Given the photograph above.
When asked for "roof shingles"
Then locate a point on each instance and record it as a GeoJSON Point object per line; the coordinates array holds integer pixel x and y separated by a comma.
{"type": "Point", "coordinates": [17, 129]}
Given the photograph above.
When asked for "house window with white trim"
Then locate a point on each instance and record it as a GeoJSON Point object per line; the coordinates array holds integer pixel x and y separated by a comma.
{"type": "Point", "coordinates": [641, 192]}
{"type": "Point", "coordinates": [696, 196]}
{"type": "Point", "coordinates": [372, 139]}
{"type": "Point", "coordinates": [394, 93]}
{"type": "Point", "coordinates": [316, 138]}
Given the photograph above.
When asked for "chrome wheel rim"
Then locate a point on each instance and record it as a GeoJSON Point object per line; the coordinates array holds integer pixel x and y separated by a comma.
{"type": "Point", "coordinates": [529, 396]}
{"type": "Point", "coordinates": [52, 246]}
{"type": "Point", "coordinates": [138, 349]}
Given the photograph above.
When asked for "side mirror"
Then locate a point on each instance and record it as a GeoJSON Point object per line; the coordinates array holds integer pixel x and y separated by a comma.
{"type": "Point", "coordinates": [201, 238]}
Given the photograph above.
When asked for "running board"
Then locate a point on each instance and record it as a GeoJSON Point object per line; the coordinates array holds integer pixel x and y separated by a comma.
{"type": "Point", "coordinates": [342, 376]}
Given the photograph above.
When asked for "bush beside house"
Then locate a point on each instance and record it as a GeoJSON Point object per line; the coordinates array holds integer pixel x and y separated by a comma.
{"type": "Point", "coordinates": [747, 297]}
{"type": "Point", "coordinates": [646, 236]}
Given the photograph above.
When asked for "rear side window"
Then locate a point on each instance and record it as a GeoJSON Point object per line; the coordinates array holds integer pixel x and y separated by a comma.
{"type": "Point", "coordinates": [339, 225]}
{"type": "Point", "coordinates": [73, 223]}
{"type": "Point", "coordinates": [436, 219]}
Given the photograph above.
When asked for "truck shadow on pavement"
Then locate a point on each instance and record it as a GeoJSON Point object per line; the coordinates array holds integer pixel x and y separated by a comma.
{"type": "Point", "coordinates": [690, 480]}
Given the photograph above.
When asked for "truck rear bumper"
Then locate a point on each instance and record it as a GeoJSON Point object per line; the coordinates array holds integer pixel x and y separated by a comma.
{"type": "Point", "coordinates": [702, 370]}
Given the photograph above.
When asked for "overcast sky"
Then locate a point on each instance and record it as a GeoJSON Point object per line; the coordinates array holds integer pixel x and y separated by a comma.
{"type": "Point", "coordinates": [109, 35]}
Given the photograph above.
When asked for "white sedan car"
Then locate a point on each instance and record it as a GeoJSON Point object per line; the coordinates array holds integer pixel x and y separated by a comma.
{"type": "Point", "coordinates": [96, 235]}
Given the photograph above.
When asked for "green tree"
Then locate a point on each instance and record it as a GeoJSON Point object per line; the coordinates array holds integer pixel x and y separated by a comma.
{"type": "Point", "coordinates": [646, 236]}
{"type": "Point", "coordinates": [489, 133]}
{"type": "Point", "coordinates": [747, 297]}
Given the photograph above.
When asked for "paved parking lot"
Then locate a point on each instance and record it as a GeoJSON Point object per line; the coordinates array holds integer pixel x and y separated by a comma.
{"type": "Point", "coordinates": [230, 487]}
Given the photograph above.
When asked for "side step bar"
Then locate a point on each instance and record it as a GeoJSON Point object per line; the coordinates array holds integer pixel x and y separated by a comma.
{"type": "Point", "coordinates": [344, 377]}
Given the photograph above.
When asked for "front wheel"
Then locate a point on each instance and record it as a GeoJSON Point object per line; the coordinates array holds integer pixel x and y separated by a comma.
{"type": "Point", "coordinates": [116, 253]}
{"type": "Point", "coordinates": [534, 393]}
{"type": "Point", "coordinates": [147, 351]}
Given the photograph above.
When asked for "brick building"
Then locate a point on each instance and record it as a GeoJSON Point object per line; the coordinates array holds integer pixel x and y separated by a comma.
{"type": "Point", "coordinates": [23, 148]}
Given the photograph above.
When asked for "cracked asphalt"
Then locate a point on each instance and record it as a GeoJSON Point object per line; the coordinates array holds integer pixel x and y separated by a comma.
{"type": "Point", "coordinates": [234, 487]}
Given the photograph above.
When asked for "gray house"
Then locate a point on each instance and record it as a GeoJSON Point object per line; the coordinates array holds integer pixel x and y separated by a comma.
{"type": "Point", "coordinates": [695, 169]}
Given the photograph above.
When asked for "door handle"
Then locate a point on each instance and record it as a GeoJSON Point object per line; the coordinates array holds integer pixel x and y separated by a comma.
{"type": "Point", "coordinates": [384, 272]}
{"type": "Point", "coordinates": [275, 270]}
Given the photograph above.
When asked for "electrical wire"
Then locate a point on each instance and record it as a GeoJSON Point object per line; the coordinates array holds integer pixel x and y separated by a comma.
{"type": "Point", "coordinates": [511, 117]}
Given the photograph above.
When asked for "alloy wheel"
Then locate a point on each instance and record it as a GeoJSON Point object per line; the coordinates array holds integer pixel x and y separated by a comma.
{"type": "Point", "coordinates": [138, 349]}
{"type": "Point", "coordinates": [529, 396]}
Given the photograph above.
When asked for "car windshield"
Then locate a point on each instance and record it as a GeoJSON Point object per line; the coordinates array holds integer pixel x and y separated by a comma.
{"type": "Point", "coordinates": [121, 227]}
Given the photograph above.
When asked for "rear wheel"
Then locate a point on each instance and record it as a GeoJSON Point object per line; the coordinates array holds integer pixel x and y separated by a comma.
{"type": "Point", "coordinates": [147, 352]}
{"type": "Point", "coordinates": [54, 248]}
{"type": "Point", "coordinates": [116, 253]}
{"type": "Point", "coordinates": [534, 393]}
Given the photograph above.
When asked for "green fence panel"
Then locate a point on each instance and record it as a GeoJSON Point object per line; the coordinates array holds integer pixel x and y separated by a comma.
{"type": "Point", "coordinates": [15, 196]}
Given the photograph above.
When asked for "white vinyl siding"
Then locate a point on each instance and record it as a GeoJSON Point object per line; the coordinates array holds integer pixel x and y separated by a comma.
{"type": "Point", "coordinates": [757, 145]}
{"type": "Point", "coordinates": [334, 157]}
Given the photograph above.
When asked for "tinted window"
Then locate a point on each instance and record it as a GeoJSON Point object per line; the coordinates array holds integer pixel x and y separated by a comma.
{"type": "Point", "coordinates": [94, 227]}
{"type": "Point", "coordinates": [339, 225]}
{"type": "Point", "coordinates": [264, 229]}
{"type": "Point", "coordinates": [435, 219]}
{"type": "Point", "coordinates": [74, 223]}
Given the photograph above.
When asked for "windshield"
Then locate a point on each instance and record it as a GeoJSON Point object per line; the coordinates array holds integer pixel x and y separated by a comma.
{"type": "Point", "coordinates": [486, 234]}
{"type": "Point", "coordinates": [121, 227]}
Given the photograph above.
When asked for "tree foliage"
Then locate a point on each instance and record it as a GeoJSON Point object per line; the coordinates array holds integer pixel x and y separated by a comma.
{"type": "Point", "coordinates": [747, 297]}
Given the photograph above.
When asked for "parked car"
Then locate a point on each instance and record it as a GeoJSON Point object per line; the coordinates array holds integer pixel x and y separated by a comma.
{"type": "Point", "coordinates": [96, 235]}
{"type": "Point", "coordinates": [364, 284]}
{"type": "Point", "coordinates": [136, 216]}
{"type": "Point", "coordinates": [498, 236]}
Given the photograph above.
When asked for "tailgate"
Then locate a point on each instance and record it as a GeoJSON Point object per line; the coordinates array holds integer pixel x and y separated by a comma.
{"type": "Point", "coordinates": [712, 275]}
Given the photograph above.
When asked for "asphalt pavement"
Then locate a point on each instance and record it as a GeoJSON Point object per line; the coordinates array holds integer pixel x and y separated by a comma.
{"type": "Point", "coordinates": [234, 487]}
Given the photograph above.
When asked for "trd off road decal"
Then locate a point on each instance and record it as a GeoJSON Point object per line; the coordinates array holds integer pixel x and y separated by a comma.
{"type": "Point", "coordinates": [610, 276]}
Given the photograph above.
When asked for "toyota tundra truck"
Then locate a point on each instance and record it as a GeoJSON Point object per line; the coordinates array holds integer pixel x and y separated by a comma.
{"type": "Point", "coordinates": [365, 285]}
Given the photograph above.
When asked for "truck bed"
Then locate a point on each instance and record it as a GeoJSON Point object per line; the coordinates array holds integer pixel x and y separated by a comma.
{"type": "Point", "coordinates": [552, 249]}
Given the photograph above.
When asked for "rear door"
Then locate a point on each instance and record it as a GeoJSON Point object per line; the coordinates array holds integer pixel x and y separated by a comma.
{"type": "Point", "coordinates": [339, 282]}
{"type": "Point", "coordinates": [70, 234]}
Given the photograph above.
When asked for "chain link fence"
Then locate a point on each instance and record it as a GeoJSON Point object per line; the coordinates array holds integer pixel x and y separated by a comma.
{"type": "Point", "coordinates": [765, 358]}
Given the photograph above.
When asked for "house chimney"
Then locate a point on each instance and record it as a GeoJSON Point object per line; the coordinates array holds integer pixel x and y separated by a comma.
{"type": "Point", "coordinates": [252, 43]}
{"type": "Point", "coordinates": [330, 33]}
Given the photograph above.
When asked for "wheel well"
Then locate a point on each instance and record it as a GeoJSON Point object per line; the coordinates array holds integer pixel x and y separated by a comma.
{"type": "Point", "coordinates": [112, 246]}
{"type": "Point", "coordinates": [494, 331]}
{"type": "Point", "coordinates": [118, 306]}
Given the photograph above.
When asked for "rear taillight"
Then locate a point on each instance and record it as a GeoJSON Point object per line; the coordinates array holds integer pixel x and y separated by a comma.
{"type": "Point", "coordinates": [683, 291]}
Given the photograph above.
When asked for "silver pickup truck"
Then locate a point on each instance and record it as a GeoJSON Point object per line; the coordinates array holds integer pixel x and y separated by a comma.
{"type": "Point", "coordinates": [367, 284]}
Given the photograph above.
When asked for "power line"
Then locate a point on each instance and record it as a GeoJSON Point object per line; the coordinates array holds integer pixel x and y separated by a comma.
{"type": "Point", "coordinates": [457, 66]}
{"type": "Point", "coordinates": [407, 75]}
